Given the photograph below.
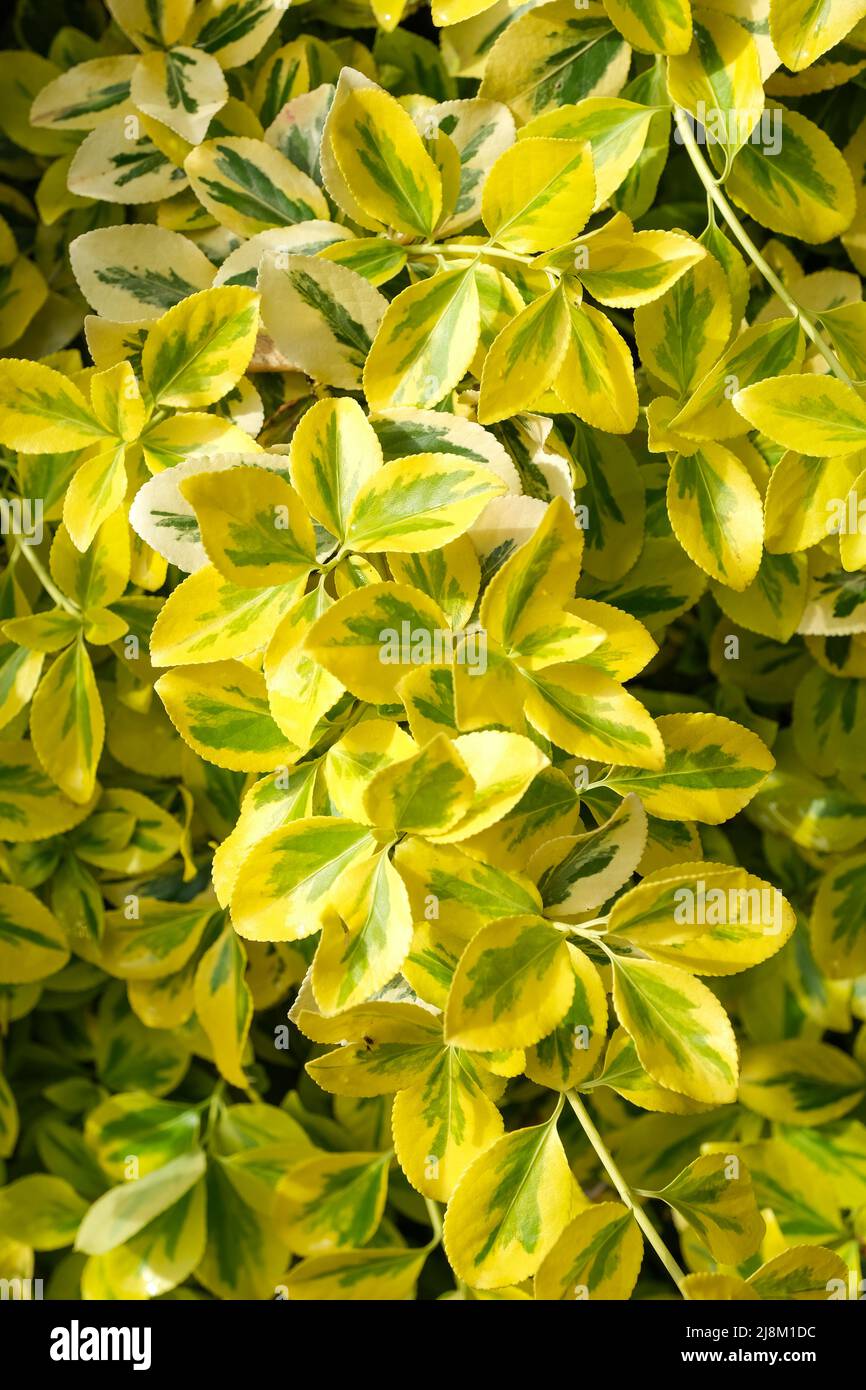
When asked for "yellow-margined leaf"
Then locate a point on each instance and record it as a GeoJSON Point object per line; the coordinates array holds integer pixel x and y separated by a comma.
{"type": "Point", "coordinates": [157, 942]}
{"type": "Point", "coordinates": [393, 1052]}
{"type": "Point", "coordinates": [117, 403]}
{"type": "Point", "coordinates": [245, 1254]}
{"type": "Point", "coordinates": [26, 292]}
{"type": "Point", "coordinates": [627, 647]}
{"type": "Point", "coordinates": [41, 1210]}
{"type": "Point", "coordinates": [716, 514]}
{"type": "Point", "coordinates": [334, 452]}
{"type": "Point", "coordinates": [614, 129]}
{"type": "Point", "coordinates": [442, 1123]}
{"type": "Point", "coordinates": [285, 886]}
{"type": "Point", "coordinates": [243, 265]}
{"type": "Point", "coordinates": [812, 414]}
{"type": "Point", "coordinates": [331, 1202]}
{"type": "Point", "coordinates": [829, 718]}
{"type": "Point", "coordinates": [234, 33]}
{"type": "Point", "coordinates": [253, 526]}
{"type": "Point", "coordinates": [556, 55]}
{"type": "Point", "coordinates": [157, 1259]}
{"type": "Point", "coordinates": [712, 769]}
{"type": "Point", "coordinates": [588, 714]}
{"type": "Point", "coordinates": [194, 440]}
{"type": "Point", "coordinates": [598, 1256]}
{"type": "Point", "coordinates": [419, 503]}
{"type": "Point", "coordinates": [623, 1073]}
{"type": "Point", "coordinates": [224, 1004]}
{"type": "Point", "coordinates": [683, 1036]}
{"type": "Point", "coordinates": [427, 792]}
{"type": "Point", "coordinates": [425, 342]}
{"type": "Point", "coordinates": [498, 301]}
{"type": "Point", "coordinates": [207, 618]}
{"type": "Point", "coordinates": [804, 1272]}
{"type": "Point", "coordinates": [800, 1082]}
{"type": "Point", "coordinates": [512, 986]}
{"type": "Point", "coordinates": [97, 490]}
{"type": "Point", "coordinates": [272, 802]}
{"type": "Point", "coordinates": [596, 374]}
{"type": "Point", "coordinates": [32, 941]}
{"type": "Point", "coordinates": [444, 882]}
{"type": "Point", "coordinates": [450, 574]}
{"type": "Point", "coordinates": [376, 259]}
{"type": "Point", "coordinates": [352, 762]}
{"type": "Point", "coordinates": [764, 350]}
{"type": "Point", "coordinates": [78, 98]}
{"type": "Point", "coordinates": [432, 960]}
{"type": "Point", "coordinates": [42, 412]}
{"type": "Point", "coordinates": [371, 1275]}
{"type": "Point", "coordinates": [67, 724]}
{"type": "Point", "coordinates": [148, 834]}
{"type": "Point", "coordinates": [201, 348]}
{"type": "Point", "coordinates": [715, 1196]}
{"type": "Point", "coordinates": [137, 271]}
{"type": "Point", "coordinates": [801, 34]}
{"type": "Point", "coordinates": [773, 603]}
{"type": "Point", "coordinates": [112, 168]}
{"type": "Point", "coordinates": [797, 183]}
{"type": "Point", "coordinates": [510, 1207]}
{"type": "Point", "coordinates": [683, 334]}
{"type": "Point", "coordinates": [575, 873]}
{"type": "Point", "coordinates": [183, 88]}
{"type": "Point", "coordinates": [300, 691]}
{"type": "Point", "coordinates": [567, 1056]}
{"type": "Point", "coordinates": [159, 27]}
{"type": "Point", "coordinates": [659, 26]}
{"type": "Point", "coordinates": [838, 923]}
{"type": "Point", "coordinates": [372, 637]}
{"type": "Point", "coordinates": [125, 1210]}
{"type": "Point", "coordinates": [634, 272]}
{"type": "Point", "coordinates": [525, 358]}
{"type": "Point", "coordinates": [221, 710]}
{"type": "Point", "coordinates": [428, 696]}
{"type": "Point", "coordinates": [249, 186]}
{"type": "Point", "coordinates": [367, 932]}
{"type": "Point", "coordinates": [502, 766]}
{"type": "Point", "coordinates": [539, 193]}
{"type": "Point", "coordinates": [32, 807]}
{"type": "Point", "coordinates": [719, 82]}
{"type": "Point", "coordinates": [99, 577]}
{"type": "Point", "coordinates": [481, 130]}
{"type": "Point", "coordinates": [712, 919]}
{"type": "Point", "coordinates": [158, 1130]}
{"type": "Point", "coordinates": [322, 317]}
{"type": "Point", "coordinates": [383, 160]}
{"type": "Point", "coordinates": [852, 540]}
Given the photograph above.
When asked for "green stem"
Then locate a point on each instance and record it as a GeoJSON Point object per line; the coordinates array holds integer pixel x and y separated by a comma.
{"type": "Point", "coordinates": [719, 200]}
{"type": "Point", "coordinates": [435, 1219]}
{"type": "Point", "coordinates": [429, 248]}
{"type": "Point", "coordinates": [45, 579]}
{"type": "Point", "coordinates": [641, 1217]}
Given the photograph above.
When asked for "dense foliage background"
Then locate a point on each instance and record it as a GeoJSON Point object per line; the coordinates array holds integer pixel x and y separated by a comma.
{"type": "Point", "coordinates": [433, 605]}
